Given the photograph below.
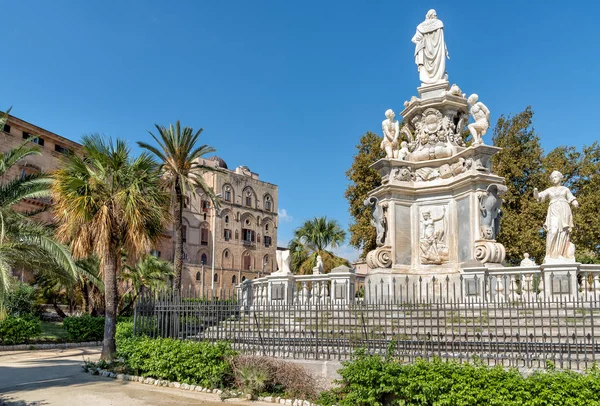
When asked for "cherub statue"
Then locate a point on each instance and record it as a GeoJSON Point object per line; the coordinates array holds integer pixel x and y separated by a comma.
{"type": "Point", "coordinates": [481, 115]}
{"type": "Point", "coordinates": [404, 152]}
{"type": "Point", "coordinates": [391, 130]}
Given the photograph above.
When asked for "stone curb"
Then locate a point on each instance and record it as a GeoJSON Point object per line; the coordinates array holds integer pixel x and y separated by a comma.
{"type": "Point", "coordinates": [193, 388]}
{"type": "Point", "coordinates": [52, 346]}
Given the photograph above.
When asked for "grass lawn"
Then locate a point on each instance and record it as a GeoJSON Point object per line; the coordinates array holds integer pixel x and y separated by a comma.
{"type": "Point", "coordinates": [52, 332]}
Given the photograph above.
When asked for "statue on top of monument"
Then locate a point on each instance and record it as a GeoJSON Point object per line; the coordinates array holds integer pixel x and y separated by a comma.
{"type": "Point", "coordinates": [391, 131]}
{"type": "Point", "coordinates": [430, 50]}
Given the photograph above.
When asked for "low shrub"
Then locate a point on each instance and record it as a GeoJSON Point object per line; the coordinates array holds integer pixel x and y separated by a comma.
{"type": "Point", "coordinates": [255, 375]}
{"type": "Point", "coordinates": [22, 301]}
{"type": "Point", "coordinates": [84, 328]}
{"type": "Point", "coordinates": [198, 363]}
{"type": "Point", "coordinates": [373, 380]}
{"type": "Point", "coordinates": [19, 330]}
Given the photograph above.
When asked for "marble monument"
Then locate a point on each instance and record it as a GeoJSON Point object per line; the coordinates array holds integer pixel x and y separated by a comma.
{"type": "Point", "coordinates": [439, 206]}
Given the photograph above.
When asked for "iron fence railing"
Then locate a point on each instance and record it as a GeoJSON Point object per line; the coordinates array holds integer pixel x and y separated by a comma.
{"type": "Point", "coordinates": [523, 331]}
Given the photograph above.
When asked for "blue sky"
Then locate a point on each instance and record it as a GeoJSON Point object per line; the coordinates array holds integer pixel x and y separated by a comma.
{"type": "Point", "coordinates": [288, 87]}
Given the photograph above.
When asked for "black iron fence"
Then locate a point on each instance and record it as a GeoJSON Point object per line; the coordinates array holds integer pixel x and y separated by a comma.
{"type": "Point", "coordinates": [525, 331]}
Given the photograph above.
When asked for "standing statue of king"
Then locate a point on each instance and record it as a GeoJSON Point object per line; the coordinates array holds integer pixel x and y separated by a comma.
{"type": "Point", "coordinates": [430, 50]}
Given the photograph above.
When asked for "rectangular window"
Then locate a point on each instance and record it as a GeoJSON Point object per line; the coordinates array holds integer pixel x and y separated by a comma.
{"type": "Point", "coordinates": [204, 236]}
{"type": "Point", "coordinates": [227, 234]}
{"type": "Point", "coordinates": [205, 206]}
{"type": "Point", "coordinates": [267, 240]}
{"type": "Point", "coordinates": [6, 128]}
{"type": "Point", "coordinates": [155, 253]}
{"type": "Point", "coordinates": [186, 202]}
{"type": "Point", "coordinates": [248, 235]}
{"type": "Point", "coordinates": [227, 196]}
{"type": "Point", "coordinates": [247, 262]}
{"type": "Point", "coordinates": [61, 149]}
{"type": "Point", "coordinates": [248, 201]}
{"type": "Point", "coordinates": [268, 205]}
{"type": "Point", "coordinates": [184, 230]}
{"type": "Point", "coordinates": [37, 140]}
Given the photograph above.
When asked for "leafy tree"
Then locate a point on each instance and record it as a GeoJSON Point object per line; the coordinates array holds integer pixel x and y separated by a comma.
{"type": "Point", "coordinates": [178, 154]}
{"type": "Point", "coordinates": [312, 239]}
{"type": "Point", "coordinates": [105, 203]}
{"type": "Point", "coordinates": [520, 163]}
{"type": "Point", "coordinates": [23, 242]}
{"type": "Point", "coordinates": [363, 179]}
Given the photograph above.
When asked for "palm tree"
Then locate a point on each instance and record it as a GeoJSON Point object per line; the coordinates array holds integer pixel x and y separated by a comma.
{"type": "Point", "coordinates": [149, 272]}
{"type": "Point", "coordinates": [106, 203]}
{"type": "Point", "coordinates": [313, 238]}
{"type": "Point", "coordinates": [179, 155]}
{"type": "Point", "coordinates": [23, 242]}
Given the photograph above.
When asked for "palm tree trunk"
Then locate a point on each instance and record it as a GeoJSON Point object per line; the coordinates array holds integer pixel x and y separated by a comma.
{"type": "Point", "coordinates": [178, 233]}
{"type": "Point", "coordinates": [85, 293]}
{"type": "Point", "coordinates": [110, 312]}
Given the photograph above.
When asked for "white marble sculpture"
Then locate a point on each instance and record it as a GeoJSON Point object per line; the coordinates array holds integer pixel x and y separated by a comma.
{"type": "Point", "coordinates": [318, 269]}
{"type": "Point", "coordinates": [283, 262]}
{"type": "Point", "coordinates": [559, 220]}
{"type": "Point", "coordinates": [527, 261]}
{"type": "Point", "coordinates": [489, 208]}
{"type": "Point", "coordinates": [430, 50]}
{"type": "Point", "coordinates": [432, 245]}
{"type": "Point", "coordinates": [404, 152]}
{"type": "Point", "coordinates": [391, 131]}
{"type": "Point", "coordinates": [378, 219]}
{"type": "Point", "coordinates": [481, 115]}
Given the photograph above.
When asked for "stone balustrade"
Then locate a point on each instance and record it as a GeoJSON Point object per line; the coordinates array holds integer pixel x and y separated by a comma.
{"type": "Point", "coordinates": [337, 287]}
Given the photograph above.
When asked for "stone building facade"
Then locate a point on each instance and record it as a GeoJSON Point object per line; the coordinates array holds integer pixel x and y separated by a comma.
{"type": "Point", "coordinates": [245, 223]}
{"type": "Point", "coordinates": [245, 229]}
{"type": "Point", "coordinates": [52, 147]}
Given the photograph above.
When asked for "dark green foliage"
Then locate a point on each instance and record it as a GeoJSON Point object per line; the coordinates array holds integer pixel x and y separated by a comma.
{"type": "Point", "coordinates": [84, 328]}
{"type": "Point", "coordinates": [21, 301]}
{"type": "Point", "coordinates": [373, 380]}
{"type": "Point", "coordinates": [199, 363]}
{"type": "Point", "coordinates": [18, 330]}
{"type": "Point", "coordinates": [363, 179]}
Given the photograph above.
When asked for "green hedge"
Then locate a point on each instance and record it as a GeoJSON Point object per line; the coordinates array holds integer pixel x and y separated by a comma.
{"type": "Point", "coordinates": [372, 380]}
{"type": "Point", "coordinates": [198, 363]}
{"type": "Point", "coordinates": [19, 330]}
{"type": "Point", "coordinates": [84, 328]}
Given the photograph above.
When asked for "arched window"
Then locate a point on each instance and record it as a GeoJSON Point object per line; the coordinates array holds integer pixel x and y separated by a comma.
{"type": "Point", "coordinates": [268, 203]}
{"type": "Point", "coordinates": [197, 276]}
{"type": "Point", "coordinates": [204, 259]}
{"type": "Point", "coordinates": [226, 219]}
{"type": "Point", "coordinates": [216, 278]}
{"type": "Point", "coordinates": [233, 279]}
{"type": "Point", "coordinates": [227, 193]}
{"type": "Point", "coordinates": [243, 278]}
{"type": "Point", "coordinates": [237, 235]}
{"type": "Point", "coordinates": [267, 227]}
{"type": "Point", "coordinates": [226, 254]}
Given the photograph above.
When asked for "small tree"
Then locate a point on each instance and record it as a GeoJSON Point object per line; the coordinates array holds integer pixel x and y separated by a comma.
{"type": "Point", "coordinates": [312, 239]}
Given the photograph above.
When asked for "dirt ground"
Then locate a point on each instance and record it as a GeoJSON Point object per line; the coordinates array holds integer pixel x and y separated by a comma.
{"type": "Point", "coordinates": [55, 377]}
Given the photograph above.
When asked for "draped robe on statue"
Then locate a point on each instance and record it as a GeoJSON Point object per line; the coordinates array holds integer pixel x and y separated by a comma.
{"type": "Point", "coordinates": [430, 51]}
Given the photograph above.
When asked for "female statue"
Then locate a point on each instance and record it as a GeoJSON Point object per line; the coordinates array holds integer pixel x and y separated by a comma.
{"type": "Point", "coordinates": [559, 221]}
{"type": "Point", "coordinates": [430, 49]}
